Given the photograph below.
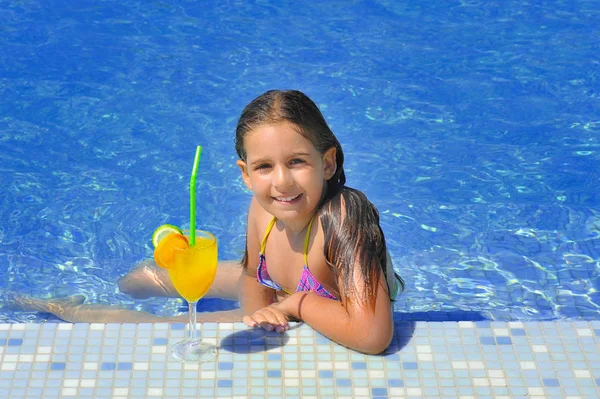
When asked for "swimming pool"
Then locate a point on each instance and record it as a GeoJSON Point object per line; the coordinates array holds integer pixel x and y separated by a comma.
{"type": "Point", "coordinates": [473, 126]}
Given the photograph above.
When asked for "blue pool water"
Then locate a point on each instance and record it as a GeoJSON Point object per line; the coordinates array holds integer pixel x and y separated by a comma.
{"type": "Point", "coordinates": [474, 126]}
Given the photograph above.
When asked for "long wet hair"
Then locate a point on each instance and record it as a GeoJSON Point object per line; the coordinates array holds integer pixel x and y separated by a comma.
{"type": "Point", "coordinates": [350, 222]}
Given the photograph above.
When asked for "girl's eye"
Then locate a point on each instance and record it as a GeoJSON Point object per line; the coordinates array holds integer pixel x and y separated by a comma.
{"type": "Point", "coordinates": [263, 166]}
{"type": "Point", "coordinates": [296, 161]}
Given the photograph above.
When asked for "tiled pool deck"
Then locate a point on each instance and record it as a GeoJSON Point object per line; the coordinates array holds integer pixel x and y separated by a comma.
{"type": "Point", "coordinates": [426, 360]}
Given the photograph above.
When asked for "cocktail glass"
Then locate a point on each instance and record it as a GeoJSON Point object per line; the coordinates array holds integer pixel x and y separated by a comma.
{"type": "Point", "coordinates": [192, 274]}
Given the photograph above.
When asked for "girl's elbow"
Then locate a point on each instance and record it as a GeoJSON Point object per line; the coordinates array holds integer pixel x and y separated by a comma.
{"type": "Point", "coordinates": [377, 346]}
{"type": "Point", "coordinates": [376, 342]}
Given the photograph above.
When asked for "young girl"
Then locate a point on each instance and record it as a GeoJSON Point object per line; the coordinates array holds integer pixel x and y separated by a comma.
{"type": "Point", "coordinates": [315, 251]}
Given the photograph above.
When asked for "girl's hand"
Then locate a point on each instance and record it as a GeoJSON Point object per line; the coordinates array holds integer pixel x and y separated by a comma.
{"type": "Point", "coordinates": [271, 318]}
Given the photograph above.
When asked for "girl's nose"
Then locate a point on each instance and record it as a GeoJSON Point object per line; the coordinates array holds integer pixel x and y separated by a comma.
{"type": "Point", "coordinates": [282, 178]}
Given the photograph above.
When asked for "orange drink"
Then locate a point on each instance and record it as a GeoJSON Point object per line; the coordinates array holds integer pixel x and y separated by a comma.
{"type": "Point", "coordinates": [194, 269]}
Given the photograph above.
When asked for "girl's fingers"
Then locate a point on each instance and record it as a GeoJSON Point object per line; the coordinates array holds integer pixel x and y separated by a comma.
{"type": "Point", "coordinates": [269, 318]}
{"type": "Point", "coordinates": [249, 321]}
{"type": "Point", "coordinates": [276, 318]}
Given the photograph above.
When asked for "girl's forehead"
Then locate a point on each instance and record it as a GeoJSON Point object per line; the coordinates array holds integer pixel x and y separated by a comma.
{"type": "Point", "coordinates": [272, 136]}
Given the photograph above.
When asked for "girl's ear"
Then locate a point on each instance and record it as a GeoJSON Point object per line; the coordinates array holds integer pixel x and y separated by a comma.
{"type": "Point", "coordinates": [329, 164]}
{"type": "Point", "coordinates": [244, 168]}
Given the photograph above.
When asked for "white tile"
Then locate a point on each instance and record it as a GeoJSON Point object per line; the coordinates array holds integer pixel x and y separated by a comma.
{"type": "Point", "coordinates": [582, 373]}
{"type": "Point", "coordinates": [476, 365]}
{"type": "Point", "coordinates": [498, 382]}
{"type": "Point", "coordinates": [87, 383]}
{"type": "Point", "coordinates": [207, 374]}
{"type": "Point", "coordinates": [360, 391]}
{"type": "Point", "coordinates": [155, 391]}
{"type": "Point", "coordinates": [481, 382]}
{"type": "Point", "coordinates": [308, 373]}
{"type": "Point", "coordinates": [90, 366]}
{"type": "Point", "coordinates": [496, 373]}
{"type": "Point", "coordinates": [528, 365]}
{"type": "Point", "coordinates": [69, 391]}
{"type": "Point", "coordinates": [539, 348]}
{"type": "Point", "coordinates": [341, 365]}
{"type": "Point", "coordinates": [414, 391]}
{"type": "Point", "coordinates": [291, 373]}
{"type": "Point", "coordinates": [121, 391]}
{"type": "Point", "coordinates": [376, 374]}
{"type": "Point", "coordinates": [535, 391]}
{"type": "Point", "coordinates": [459, 365]}
{"type": "Point", "coordinates": [140, 366]}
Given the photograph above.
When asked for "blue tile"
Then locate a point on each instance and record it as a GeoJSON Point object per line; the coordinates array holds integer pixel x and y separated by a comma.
{"type": "Point", "coordinates": [178, 326]}
{"type": "Point", "coordinates": [410, 365]}
{"type": "Point", "coordinates": [15, 342]}
{"type": "Point", "coordinates": [274, 373]}
{"type": "Point", "coordinates": [274, 357]}
{"type": "Point", "coordinates": [394, 382]}
{"type": "Point", "coordinates": [379, 391]}
{"type": "Point", "coordinates": [518, 332]}
{"type": "Point", "coordinates": [503, 340]}
{"type": "Point", "coordinates": [551, 382]}
{"type": "Point", "coordinates": [124, 366]}
{"type": "Point", "coordinates": [225, 383]}
{"type": "Point", "coordinates": [343, 382]}
{"type": "Point", "coordinates": [225, 366]}
{"type": "Point", "coordinates": [160, 341]}
{"type": "Point", "coordinates": [57, 366]}
{"type": "Point", "coordinates": [325, 374]}
{"type": "Point", "coordinates": [107, 366]}
{"type": "Point", "coordinates": [487, 340]}
{"type": "Point", "coordinates": [359, 365]}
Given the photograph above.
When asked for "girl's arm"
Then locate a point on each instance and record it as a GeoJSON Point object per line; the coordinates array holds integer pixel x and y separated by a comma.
{"type": "Point", "coordinates": [352, 323]}
{"type": "Point", "coordinates": [251, 294]}
{"type": "Point", "coordinates": [354, 245]}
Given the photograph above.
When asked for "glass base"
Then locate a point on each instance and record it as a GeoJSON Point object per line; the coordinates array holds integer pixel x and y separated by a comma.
{"type": "Point", "coordinates": [194, 351]}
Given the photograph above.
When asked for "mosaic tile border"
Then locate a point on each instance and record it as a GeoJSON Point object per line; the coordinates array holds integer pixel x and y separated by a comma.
{"type": "Point", "coordinates": [426, 360]}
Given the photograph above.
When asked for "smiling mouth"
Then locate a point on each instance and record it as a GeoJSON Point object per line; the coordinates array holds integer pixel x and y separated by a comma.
{"type": "Point", "coordinates": [287, 200]}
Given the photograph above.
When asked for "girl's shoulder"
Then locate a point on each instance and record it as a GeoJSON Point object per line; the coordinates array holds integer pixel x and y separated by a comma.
{"type": "Point", "coordinates": [348, 201]}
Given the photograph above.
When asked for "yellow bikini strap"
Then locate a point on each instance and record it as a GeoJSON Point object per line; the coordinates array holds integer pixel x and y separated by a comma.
{"type": "Point", "coordinates": [306, 239]}
{"type": "Point", "coordinates": [263, 244]}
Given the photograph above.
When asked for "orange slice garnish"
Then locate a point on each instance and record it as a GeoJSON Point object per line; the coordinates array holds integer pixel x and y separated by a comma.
{"type": "Point", "coordinates": [164, 253]}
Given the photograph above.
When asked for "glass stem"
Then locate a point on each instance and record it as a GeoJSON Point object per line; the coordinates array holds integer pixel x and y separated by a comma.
{"type": "Point", "coordinates": [192, 312]}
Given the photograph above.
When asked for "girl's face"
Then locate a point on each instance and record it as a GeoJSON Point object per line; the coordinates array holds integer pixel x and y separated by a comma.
{"type": "Point", "coordinates": [285, 171]}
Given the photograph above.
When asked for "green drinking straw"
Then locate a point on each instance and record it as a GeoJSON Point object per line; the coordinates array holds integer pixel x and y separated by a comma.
{"type": "Point", "coordinates": [193, 196]}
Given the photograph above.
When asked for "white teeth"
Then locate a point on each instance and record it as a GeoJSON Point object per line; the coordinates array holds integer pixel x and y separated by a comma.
{"type": "Point", "coordinates": [286, 199]}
